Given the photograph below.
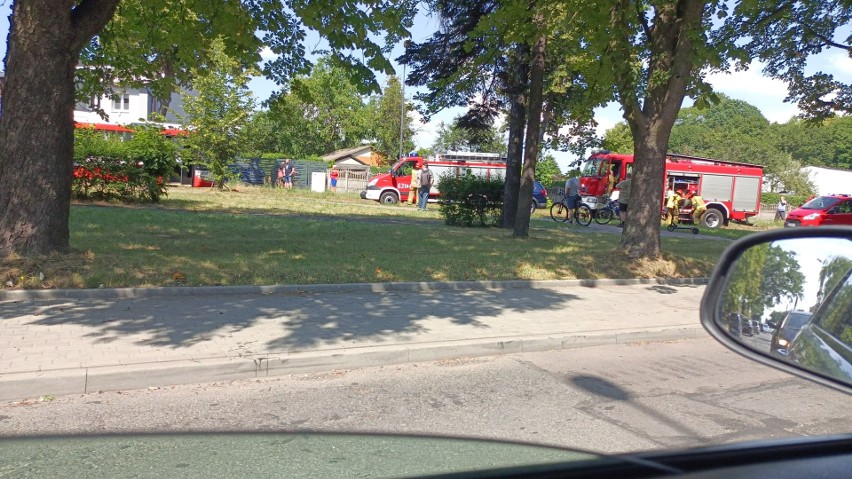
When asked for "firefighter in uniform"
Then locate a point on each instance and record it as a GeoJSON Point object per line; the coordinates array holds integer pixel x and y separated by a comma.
{"type": "Point", "coordinates": [672, 206]}
{"type": "Point", "coordinates": [698, 207]}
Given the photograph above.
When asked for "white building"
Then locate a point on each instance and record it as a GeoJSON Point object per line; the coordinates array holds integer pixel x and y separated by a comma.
{"type": "Point", "coordinates": [830, 180]}
{"type": "Point", "coordinates": [128, 105]}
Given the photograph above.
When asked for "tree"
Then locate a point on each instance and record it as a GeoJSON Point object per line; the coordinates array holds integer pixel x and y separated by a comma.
{"type": "Point", "coordinates": [44, 43]}
{"type": "Point", "coordinates": [218, 112]}
{"type": "Point", "coordinates": [618, 139]}
{"type": "Point", "coordinates": [320, 113]}
{"type": "Point", "coordinates": [654, 54]}
{"type": "Point", "coordinates": [780, 277]}
{"type": "Point", "coordinates": [169, 42]}
{"type": "Point", "coordinates": [44, 46]}
{"type": "Point", "coordinates": [386, 121]}
{"type": "Point", "coordinates": [547, 169]}
{"type": "Point", "coordinates": [454, 137]}
{"type": "Point", "coordinates": [784, 34]}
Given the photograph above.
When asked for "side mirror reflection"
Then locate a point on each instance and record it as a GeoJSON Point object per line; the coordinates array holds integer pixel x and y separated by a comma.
{"type": "Point", "coordinates": [791, 299]}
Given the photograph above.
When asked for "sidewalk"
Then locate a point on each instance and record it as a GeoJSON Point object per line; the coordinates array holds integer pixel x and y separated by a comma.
{"type": "Point", "coordinates": [128, 339]}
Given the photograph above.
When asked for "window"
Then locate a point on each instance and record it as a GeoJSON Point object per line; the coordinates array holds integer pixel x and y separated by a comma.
{"type": "Point", "coordinates": [121, 102]}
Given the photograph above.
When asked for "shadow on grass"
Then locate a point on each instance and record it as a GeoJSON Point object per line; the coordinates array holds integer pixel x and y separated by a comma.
{"type": "Point", "coordinates": [285, 323]}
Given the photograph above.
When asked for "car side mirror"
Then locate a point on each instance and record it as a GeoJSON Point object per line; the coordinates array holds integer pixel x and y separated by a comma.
{"type": "Point", "coordinates": [799, 279]}
{"type": "Point", "coordinates": [834, 210]}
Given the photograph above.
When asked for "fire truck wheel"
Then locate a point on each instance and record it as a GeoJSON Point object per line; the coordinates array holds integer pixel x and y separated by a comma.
{"type": "Point", "coordinates": [388, 198]}
{"type": "Point", "coordinates": [713, 218]}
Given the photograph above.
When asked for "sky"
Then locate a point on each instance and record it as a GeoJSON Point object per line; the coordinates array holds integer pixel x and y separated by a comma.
{"type": "Point", "coordinates": [750, 86]}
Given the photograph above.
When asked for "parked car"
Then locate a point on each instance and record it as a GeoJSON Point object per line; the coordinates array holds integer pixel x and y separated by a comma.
{"type": "Point", "coordinates": [539, 195]}
{"type": "Point", "coordinates": [824, 343]}
{"type": "Point", "coordinates": [822, 210]}
{"type": "Point", "coordinates": [782, 336]}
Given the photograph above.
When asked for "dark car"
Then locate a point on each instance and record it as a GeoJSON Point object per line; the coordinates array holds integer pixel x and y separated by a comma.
{"type": "Point", "coordinates": [822, 210]}
{"type": "Point", "coordinates": [539, 195]}
{"type": "Point", "coordinates": [825, 342]}
{"type": "Point", "coordinates": [782, 336]}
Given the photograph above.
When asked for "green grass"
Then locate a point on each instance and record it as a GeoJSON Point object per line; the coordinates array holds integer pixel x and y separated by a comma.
{"type": "Point", "coordinates": [278, 237]}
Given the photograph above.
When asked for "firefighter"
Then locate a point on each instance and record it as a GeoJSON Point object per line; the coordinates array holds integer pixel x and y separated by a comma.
{"type": "Point", "coordinates": [672, 205]}
{"type": "Point", "coordinates": [698, 207]}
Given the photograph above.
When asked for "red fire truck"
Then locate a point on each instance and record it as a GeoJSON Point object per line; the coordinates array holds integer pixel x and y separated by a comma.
{"type": "Point", "coordinates": [392, 187]}
{"type": "Point", "coordinates": [731, 190]}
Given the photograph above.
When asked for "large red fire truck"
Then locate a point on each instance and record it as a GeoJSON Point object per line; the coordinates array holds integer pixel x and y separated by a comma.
{"type": "Point", "coordinates": [393, 186]}
{"type": "Point", "coordinates": [731, 190]}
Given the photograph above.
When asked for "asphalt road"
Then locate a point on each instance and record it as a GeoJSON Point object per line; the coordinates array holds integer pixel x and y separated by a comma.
{"type": "Point", "coordinates": [605, 399]}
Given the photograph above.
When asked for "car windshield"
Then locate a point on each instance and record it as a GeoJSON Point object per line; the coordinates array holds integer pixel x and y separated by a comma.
{"type": "Point", "coordinates": [795, 321]}
{"type": "Point", "coordinates": [820, 203]}
{"type": "Point", "coordinates": [299, 220]}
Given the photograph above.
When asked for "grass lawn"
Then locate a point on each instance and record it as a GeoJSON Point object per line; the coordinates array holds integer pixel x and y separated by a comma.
{"type": "Point", "coordinates": [203, 237]}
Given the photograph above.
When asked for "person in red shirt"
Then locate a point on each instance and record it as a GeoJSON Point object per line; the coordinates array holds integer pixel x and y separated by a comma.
{"type": "Point", "coordinates": [335, 174]}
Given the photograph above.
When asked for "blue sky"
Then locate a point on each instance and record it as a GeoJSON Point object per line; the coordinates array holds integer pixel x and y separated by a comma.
{"type": "Point", "coordinates": [751, 86]}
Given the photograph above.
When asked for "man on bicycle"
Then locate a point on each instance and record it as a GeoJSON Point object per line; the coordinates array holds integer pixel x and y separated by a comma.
{"type": "Point", "coordinates": [572, 194]}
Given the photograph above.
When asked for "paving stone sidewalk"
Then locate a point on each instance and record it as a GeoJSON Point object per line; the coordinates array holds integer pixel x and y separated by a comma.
{"type": "Point", "coordinates": [84, 344]}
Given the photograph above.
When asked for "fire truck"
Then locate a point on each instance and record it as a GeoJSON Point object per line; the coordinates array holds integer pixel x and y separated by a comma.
{"type": "Point", "coordinates": [730, 189]}
{"type": "Point", "coordinates": [392, 187]}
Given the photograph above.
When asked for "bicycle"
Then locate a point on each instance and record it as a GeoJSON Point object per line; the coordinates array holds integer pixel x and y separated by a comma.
{"type": "Point", "coordinates": [607, 213]}
{"type": "Point", "coordinates": [582, 213]}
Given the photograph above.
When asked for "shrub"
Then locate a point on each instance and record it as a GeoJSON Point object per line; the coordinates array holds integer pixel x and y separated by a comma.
{"type": "Point", "coordinates": [792, 200]}
{"type": "Point", "coordinates": [470, 200]}
{"type": "Point", "coordinates": [106, 168]}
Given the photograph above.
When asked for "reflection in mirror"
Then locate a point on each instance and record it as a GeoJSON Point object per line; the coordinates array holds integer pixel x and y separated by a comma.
{"type": "Point", "coordinates": [792, 299]}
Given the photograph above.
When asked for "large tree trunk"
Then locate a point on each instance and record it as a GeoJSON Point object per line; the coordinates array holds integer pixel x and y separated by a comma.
{"type": "Point", "coordinates": [671, 43]}
{"type": "Point", "coordinates": [522, 217]}
{"type": "Point", "coordinates": [37, 125]}
{"type": "Point", "coordinates": [517, 124]}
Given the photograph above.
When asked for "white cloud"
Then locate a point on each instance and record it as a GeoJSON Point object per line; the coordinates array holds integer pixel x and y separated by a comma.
{"type": "Point", "coordinates": [267, 54]}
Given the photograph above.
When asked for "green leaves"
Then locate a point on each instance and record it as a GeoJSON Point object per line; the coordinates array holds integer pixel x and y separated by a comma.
{"type": "Point", "coordinates": [217, 111]}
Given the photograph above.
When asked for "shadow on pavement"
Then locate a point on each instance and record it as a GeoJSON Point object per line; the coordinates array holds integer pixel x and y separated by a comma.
{"type": "Point", "coordinates": [608, 390]}
{"type": "Point", "coordinates": [290, 322]}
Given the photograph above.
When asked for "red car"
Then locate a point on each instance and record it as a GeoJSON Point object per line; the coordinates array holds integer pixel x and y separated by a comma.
{"type": "Point", "coordinates": [822, 210]}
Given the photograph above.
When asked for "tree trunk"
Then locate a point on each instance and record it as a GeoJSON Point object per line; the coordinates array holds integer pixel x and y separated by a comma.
{"type": "Point", "coordinates": [522, 217]}
{"type": "Point", "coordinates": [670, 69]}
{"type": "Point", "coordinates": [517, 125]}
{"type": "Point", "coordinates": [37, 125]}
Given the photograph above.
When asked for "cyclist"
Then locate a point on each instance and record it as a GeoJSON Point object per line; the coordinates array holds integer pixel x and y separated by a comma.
{"type": "Point", "coordinates": [572, 194]}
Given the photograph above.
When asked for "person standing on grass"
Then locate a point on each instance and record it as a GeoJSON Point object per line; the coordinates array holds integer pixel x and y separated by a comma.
{"type": "Point", "coordinates": [280, 181]}
{"type": "Point", "coordinates": [426, 181]}
{"type": "Point", "coordinates": [414, 185]}
{"type": "Point", "coordinates": [624, 197]}
{"type": "Point", "coordinates": [289, 172]}
{"type": "Point", "coordinates": [572, 194]}
{"type": "Point", "coordinates": [781, 212]}
{"type": "Point", "coordinates": [335, 174]}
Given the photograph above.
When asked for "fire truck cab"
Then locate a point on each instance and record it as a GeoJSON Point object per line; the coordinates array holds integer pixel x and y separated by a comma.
{"type": "Point", "coordinates": [392, 187]}
{"type": "Point", "coordinates": [731, 190]}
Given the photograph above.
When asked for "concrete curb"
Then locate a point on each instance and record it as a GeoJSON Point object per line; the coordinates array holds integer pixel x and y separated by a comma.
{"type": "Point", "coordinates": [19, 386]}
{"type": "Point", "coordinates": [167, 292]}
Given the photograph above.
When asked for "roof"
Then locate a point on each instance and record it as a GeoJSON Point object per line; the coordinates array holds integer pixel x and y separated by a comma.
{"type": "Point", "coordinates": [348, 152]}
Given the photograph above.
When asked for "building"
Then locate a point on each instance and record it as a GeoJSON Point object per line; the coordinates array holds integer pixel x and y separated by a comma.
{"type": "Point", "coordinates": [363, 155]}
{"type": "Point", "coordinates": [126, 106]}
{"type": "Point", "coordinates": [830, 180]}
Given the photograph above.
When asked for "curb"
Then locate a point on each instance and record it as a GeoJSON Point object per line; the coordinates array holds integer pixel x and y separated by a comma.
{"type": "Point", "coordinates": [20, 386]}
{"type": "Point", "coordinates": [178, 291]}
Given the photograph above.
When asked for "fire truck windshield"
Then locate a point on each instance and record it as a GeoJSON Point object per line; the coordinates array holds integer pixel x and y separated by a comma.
{"type": "Point", "coordinates": [591, 167]}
